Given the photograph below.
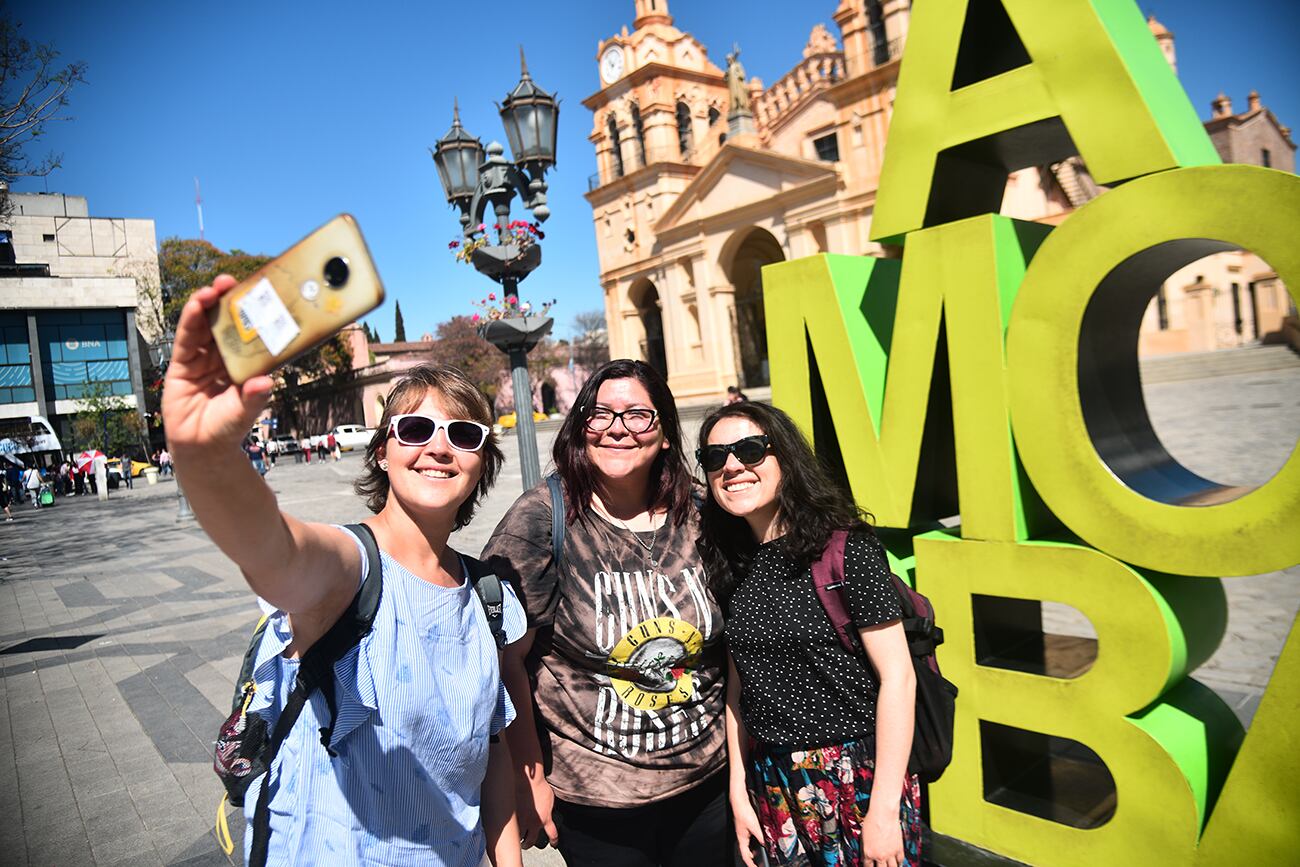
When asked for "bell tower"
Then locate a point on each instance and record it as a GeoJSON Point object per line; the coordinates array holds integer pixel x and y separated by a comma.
{"type": "Point", "coordinates": [651, 12]}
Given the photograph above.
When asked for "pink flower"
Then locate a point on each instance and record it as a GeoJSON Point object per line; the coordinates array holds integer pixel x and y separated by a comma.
{"type": "Point", "coordinates": [474, 318]}
{"type": "Point", "coordinates": [492, 296]}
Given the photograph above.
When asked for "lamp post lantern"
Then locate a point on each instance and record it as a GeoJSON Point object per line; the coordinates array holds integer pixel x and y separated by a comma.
{"type": "Point", "coordinates": [474, 178]}
{"type": "Point", "coordinates": [161, 355]}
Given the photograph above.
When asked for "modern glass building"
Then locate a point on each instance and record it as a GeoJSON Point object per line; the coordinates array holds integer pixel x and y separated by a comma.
{"type": "Point", "coordinates": [69, 294]}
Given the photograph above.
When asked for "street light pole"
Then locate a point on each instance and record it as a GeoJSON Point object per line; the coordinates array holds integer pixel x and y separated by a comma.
{"type": "Point", "coordinates": [474, 177]}
{"type": "Point", "coordinates": [161, 354]}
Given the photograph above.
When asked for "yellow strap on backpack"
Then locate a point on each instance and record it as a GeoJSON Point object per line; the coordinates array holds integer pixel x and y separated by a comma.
{"type": "Point", "coordinates": [223, 828]}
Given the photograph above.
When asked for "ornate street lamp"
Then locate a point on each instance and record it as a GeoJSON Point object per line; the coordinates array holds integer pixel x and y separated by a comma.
{"type": "Point", "coordinates": [161, 356]}
{"type": "Point", "coordinates": [474, 177]}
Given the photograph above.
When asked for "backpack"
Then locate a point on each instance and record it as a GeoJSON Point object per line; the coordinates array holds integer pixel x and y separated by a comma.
{"type": "Point", "coordinates": [936, 697]}
{"type": "Point", "coordinates": [245, 747]}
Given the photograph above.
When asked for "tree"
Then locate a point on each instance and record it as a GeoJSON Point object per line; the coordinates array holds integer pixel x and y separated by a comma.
{"type": "Point", "coordinates": [590, 340]}
{"type": "Point", "coordinates": [460, 346]}
{"type": "Point", "coordinates": [33, 92]}
{"type": "Point", "coordinates": [399, 328]}
{"type": "Point", "coordinates": [106, 422]}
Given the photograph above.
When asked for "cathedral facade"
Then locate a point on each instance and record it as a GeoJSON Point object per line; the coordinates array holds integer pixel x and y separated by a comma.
{"type": "Point", "coordinates": [706, 175]}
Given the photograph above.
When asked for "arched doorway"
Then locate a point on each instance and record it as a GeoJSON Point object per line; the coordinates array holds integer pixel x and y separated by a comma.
{"type": "Point", "coordinates": [645, 298]}
{"type": "Point", "coordinates": [758, 248]}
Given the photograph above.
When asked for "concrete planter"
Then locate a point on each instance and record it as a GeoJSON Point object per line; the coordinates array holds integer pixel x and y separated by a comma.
{"type": "Point", "coordinates": [516, 332]}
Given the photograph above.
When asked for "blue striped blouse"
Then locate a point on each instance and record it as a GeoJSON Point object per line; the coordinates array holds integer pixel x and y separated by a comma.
{"type": "Point", "coordinates": [417, 700]}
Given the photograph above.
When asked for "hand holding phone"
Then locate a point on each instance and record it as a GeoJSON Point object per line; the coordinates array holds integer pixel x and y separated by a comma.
{"type": "Point", "coordinates": [296, 301]}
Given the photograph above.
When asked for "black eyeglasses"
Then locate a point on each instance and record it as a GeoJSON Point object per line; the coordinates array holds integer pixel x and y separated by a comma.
{"type": "Point", "coordinates": [635, 421]}
{"type": "Point", "coordinates": [414, 429]}
{"type": "Point", "coordinates": [748, 450]}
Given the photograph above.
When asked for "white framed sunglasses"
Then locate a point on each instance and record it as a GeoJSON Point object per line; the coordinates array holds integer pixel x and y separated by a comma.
{"type": "Point", "coordinates": [414, 429]}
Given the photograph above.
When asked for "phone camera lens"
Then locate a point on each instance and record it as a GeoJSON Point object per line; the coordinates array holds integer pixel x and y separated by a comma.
{"type": "Point", "coordinates": [336, 272]}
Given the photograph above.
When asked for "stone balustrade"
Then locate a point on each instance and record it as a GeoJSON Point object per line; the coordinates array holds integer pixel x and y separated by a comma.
{"type": "Point", "coordinates": [815, 73]}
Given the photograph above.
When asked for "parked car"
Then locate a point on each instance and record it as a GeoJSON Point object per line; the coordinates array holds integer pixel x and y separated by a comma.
{"type": "Point", "coordinates": [287, 445]}
{"type": "Point", "coordinates": [352, 436]}
{"type": "Point", "coordinates": [509, 420]}
{"type": "Point", "coordinates": [137, 467]}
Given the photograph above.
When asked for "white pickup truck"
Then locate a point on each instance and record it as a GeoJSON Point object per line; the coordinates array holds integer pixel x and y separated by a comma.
{"type": "Point", "coordinates": [348, 436]}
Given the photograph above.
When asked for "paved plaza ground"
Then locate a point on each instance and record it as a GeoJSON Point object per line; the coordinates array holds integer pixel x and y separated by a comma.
{"type": "Point", "coordinates": [121, 630]}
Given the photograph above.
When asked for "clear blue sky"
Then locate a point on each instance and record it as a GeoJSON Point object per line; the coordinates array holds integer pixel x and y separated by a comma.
{"type": "Point", "coordinates": [291, 112]}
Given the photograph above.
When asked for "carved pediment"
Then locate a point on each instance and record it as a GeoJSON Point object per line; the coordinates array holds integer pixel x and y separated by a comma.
{"type": "Point", "coordinates": [739, 176]}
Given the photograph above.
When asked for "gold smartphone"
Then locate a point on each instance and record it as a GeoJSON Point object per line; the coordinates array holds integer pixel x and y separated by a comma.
{"type": "Point", "coordinates": [296, 301]}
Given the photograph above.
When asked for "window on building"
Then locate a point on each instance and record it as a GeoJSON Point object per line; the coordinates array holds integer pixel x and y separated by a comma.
{"type": "Point", "coordinates": [1162, 310]}
{"type": "Point", "coordinates": [714, 115]}
{"type": "Point", "coordinates": [616, 148]}
{"type": "Point", "coordinates": [84, 352]}
{"type": "Point", "coordinates": [1265, 158]}
{"type": "Point", "coordinates": [638, 130]}
{"type": "Point", "coordinates": [15, 360]}
{"type": "Point", "coordinates": [685, 140]}
{"type": "Point", "coordinates": [828, 148]}
{"type": "Point", "coordinates": [49, 239]}
{"type": "Point", "coordinates": [1236, 308]}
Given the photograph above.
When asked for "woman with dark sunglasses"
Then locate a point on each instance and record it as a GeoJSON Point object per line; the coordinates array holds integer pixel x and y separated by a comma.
{"type": "Point", "coordinates": [407, 768]}
{"type": "Point", "coordinates": [818, 741]}
{"type": "Point", "coordinates": [623, 655]}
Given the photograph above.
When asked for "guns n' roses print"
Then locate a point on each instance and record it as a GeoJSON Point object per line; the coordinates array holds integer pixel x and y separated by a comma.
{"type": "Point", "coordinates": [628, 656]}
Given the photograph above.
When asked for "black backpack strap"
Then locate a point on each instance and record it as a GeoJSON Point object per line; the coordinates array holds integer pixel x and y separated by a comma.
{"type": "Point", "coordinates": [557, 517]}
{"type": "Point", "coordinates": [372, 588]}
{"type": "Point", "coordinates": [487, 587]}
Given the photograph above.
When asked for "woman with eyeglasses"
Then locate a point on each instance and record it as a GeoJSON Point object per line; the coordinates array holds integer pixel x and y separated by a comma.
{"type": "Point", "coordinates": [622, 660]}
{"type": "Point", "coordinates": [408, 767]}
{"type": "Point", "coordinates": [818, 741]}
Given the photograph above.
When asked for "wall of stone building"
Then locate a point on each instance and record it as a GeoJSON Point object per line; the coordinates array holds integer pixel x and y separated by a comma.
{"type": "Point", "coordinates": [1245, 143]}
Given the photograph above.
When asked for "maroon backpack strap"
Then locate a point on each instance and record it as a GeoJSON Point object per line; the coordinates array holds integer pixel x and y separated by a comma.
{"type": "Point", "coordinates": [828, 583]}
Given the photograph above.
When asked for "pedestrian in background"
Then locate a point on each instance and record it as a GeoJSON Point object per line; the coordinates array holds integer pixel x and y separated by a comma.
{"type": "Point", "coordinates": [32, 485]}
{"type": "Point", "coordinates": [124, 469]}
{"type": "Point", "coordinates": [818, 738]}
{"type": "Point", "coordinates": [14, 477]}
{"type": "Point", "coordinates": [320, 452]}
{"type": "Point", "coordinates": [164, 462]}
{"type": "Point", "coordinates": [623, 657]}
{"type": "Point", "coordinates": [413, 773]}
{"type": "Point", "coordinates": [256, 454]}
{"type": "Point", "coordinates": [334, 448]}
{"type": "Point", "coordinates": [272, 449]}
{"type": "Point", "coordinates": [4, 502]}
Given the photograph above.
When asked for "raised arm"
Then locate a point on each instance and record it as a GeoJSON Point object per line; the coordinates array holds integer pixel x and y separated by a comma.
{"type": "Point", "coordinates": [309, 570]}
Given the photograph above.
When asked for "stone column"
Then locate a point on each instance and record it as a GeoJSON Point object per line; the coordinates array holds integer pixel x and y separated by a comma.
{"type": "Point", "coordinates": [1198, 316]}
{"type": "Point", "coordinates": [38, 376]}
{"type": "Point", "coordinates": [897, 15]}
{"type": "Point", "coordinates": [851, 18]}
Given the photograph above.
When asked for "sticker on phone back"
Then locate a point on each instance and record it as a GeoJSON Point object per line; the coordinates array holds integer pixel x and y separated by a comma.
{"type": "Point", "coordinates": [261, 312]}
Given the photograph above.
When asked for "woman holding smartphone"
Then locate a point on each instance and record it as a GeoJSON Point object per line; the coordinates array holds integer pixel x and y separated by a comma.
{"type": "Point", "coordinates": [818, 740]}
{"type": "Point", "coordinates": [412, 771]}
{"type": "Point", "coordinates": [623, 648]}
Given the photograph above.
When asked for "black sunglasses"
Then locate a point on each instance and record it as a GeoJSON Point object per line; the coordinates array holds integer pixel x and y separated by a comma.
{"type": "Point", "coordinates": [413, 429]}
{"type": "Point", "coordinates": [748, 450]}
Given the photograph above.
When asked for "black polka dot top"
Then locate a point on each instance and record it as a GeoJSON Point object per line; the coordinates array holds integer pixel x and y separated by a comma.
{"type": "Point", "coordinates": [799, 686]}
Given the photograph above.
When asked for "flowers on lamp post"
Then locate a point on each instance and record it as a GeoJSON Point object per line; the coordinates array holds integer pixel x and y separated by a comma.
{"type": "Point", "coordinates": [508, 307]}
{"type": "Point", "coordinates": [519, 234]}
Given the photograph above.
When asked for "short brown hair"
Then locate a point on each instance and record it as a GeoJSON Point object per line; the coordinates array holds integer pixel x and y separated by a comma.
{"type": "Point", "coordinates": [463, 400]}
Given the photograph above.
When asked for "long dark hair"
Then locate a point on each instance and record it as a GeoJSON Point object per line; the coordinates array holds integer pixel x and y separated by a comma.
{"type": "Point", "coordinates": [670, 478]}
{"type": "Point", "coordinates": [810, 503]}
{"type": "Point", "coordinates": [463, 400]}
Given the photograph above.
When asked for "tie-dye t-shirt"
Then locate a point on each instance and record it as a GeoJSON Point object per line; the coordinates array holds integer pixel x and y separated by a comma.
{"type": "Point", "coordinates": [628, 656]}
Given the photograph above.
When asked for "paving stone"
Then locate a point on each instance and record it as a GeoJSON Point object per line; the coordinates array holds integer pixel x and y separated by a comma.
{"type": "Point", "coordinates": [136, 849]}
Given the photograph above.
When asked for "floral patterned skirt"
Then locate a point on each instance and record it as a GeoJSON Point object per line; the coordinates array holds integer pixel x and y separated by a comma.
{"type": "Point", "coordinates": [811, 804]}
